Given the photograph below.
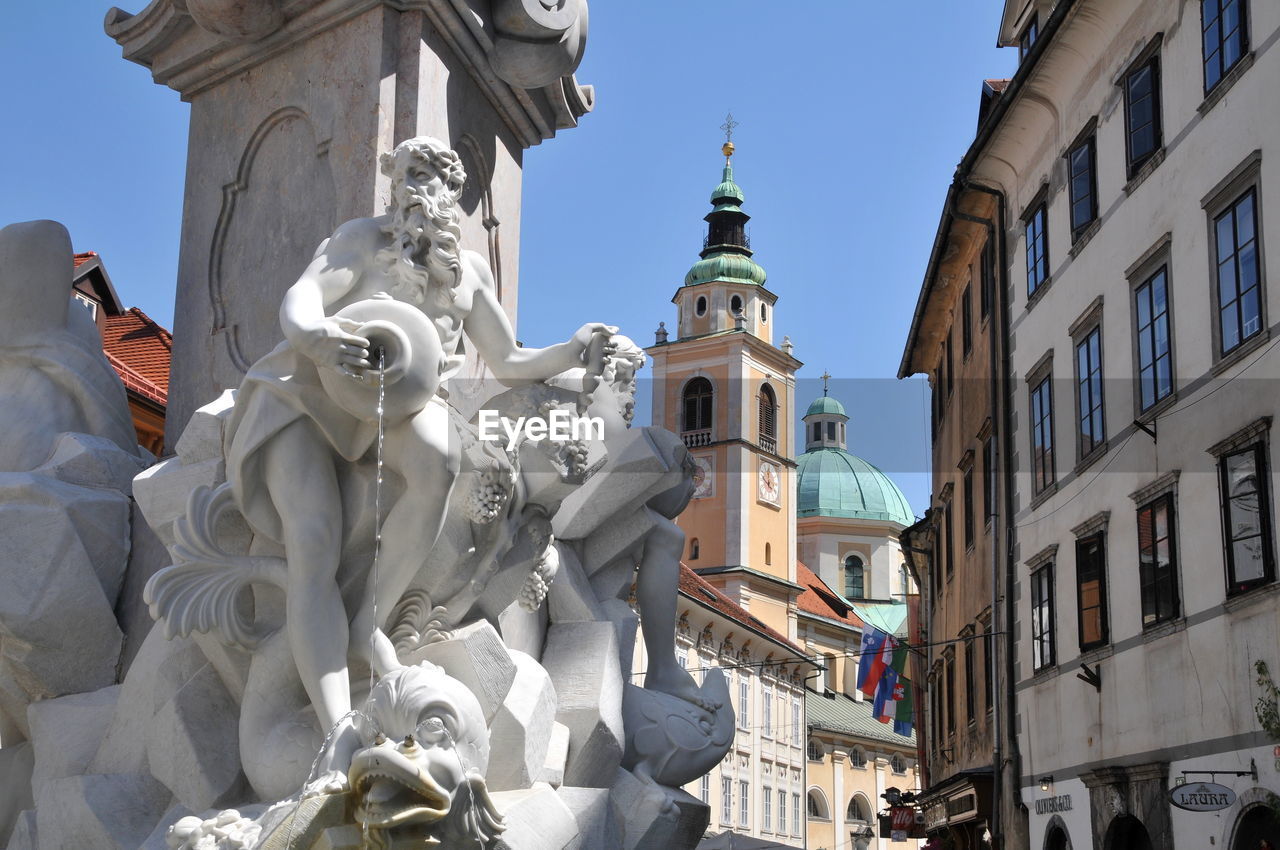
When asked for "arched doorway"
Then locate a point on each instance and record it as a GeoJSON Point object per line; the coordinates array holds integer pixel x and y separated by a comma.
{"type": "Point", "coordinates": [1056, 838]}
{"type": "Point", "coordinates": [1257, 825]}
{"type": "Point", "coordinates": [1127, 833]}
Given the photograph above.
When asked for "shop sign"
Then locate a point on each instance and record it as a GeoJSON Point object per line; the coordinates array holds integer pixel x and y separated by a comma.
{"type": "Point", "coordinates": [935, 814]}
{"type": "Point", "coordinates": [1049, 805]}
{"type": "Point", "coordinates": [1202, 796]}
{"type": "Point", "coordinates": [961, 805]}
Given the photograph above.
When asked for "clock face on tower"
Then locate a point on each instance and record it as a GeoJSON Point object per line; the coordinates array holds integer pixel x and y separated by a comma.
{"type": "Point", "coordinates": [770, 482]}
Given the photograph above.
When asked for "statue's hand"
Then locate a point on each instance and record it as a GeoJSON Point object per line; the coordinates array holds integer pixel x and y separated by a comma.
{"type": "Point", "coordinates": [332, 343]}
{"type": "Point", "coordinates": [592, 331]}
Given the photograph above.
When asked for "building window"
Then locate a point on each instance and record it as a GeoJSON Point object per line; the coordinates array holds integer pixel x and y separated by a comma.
{"type": "Point", "coordinates": [815, 750]}
{"type": "Point", "coordinates": [951, 694]}
{"type": "Point", "coordinates": [986, 276]}
{"type": "Point", "coordinates": [766, 713]}
{"type": "Point", "coordinates": [782, 812]}
{"type": "Point", "coordinates": [768, 554]}
{"type": "Point", "coordinates": [1246, 518]}
{"type": "Point", "coordinates": [735, 305]}
{"type": "Point", "coordinates": [1142, 113]}
{"type": "Point", "coordinates": [970, 684]}
{"type": "Point", "coordinates": [854, 578]}
{"type": "Point", "coordinates": [1091, 590]}
{"type": "Point", "coordinates": [967, 487]}
{"type": "Point", "coordinates": [700, 306]}
{"type": "Point", "coordinates": [857, 758]}
{"type": "Point", "coordinates": [1155, 352]}
{"type": "Point", "coordinates": [795, 814]}
{"type": "Point", "coordinates": [898, 764]}
{"type": "Point", "coordinates": [1037, 249]}
{"type": "Point", "coordinates": [744, 802]}
{"type": "Point", "coordinates": [1028, 38]}
{"type": "Point", "coordinates": [704, 788]}
{"type": "Point", "coordinates": [1226, 38]}
{"type": "Point", "coordinates": [951, 372]}
{"type": "Point", "coordinates": [904, 580]}
{"type": "Point", "coordinates": [1042, 617]}
{"type": "Point", "coordinates": [768, 419]}
{"type": "Point", "coordinates": [966, 320]}
{"type": "Point", "coordinates": [989, 476]}
{"type": "Point", "coordinates": [698, 401]}
{"type": "Point", "coordinates": [1239, 292]}
{"type": "Point", "coordinates": [831, 432]}
{"type": "Point", "coordinates": [817, 806]}
{"type": "Point", "coordinates": [726, 800]}
{"type": "Point", "coordinates": [858, 812]}
{"type": "Point", "coordinates": [766, 809]}
{"type": "Point", "coordinates": [797, 723]}
{"type": "Point", "coordinates": [1042, 474]}
{"type": "Point", "coordinates": [988, 671]}
{"type": "Point", "coordinates": [694, 547]}
{"type": "Point", "coordinates": [764, 313]}
{"type": "Point", "coordinates": [744, 702]}
{"type": "Point", "coordinates": [1157, 561]}
{"type": "Point", "coordinates": [88, 303]}
{"type": "Point", "coordinates": [1092, 432]}
{"type": "Point", "coordinates": [1082, 181]}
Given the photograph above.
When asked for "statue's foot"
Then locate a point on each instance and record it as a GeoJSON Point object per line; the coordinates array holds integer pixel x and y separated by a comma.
{"type": "Point", "coordinates": [329, 782]}
{"type": "Point", "coordinates": [677, 682]}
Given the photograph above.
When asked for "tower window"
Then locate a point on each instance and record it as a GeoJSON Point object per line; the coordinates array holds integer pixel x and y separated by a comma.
{"type": "Point", "coordinates": [700, 306]}
{"type": "Point", "coordinates": [768, 418]}
{"type": "Point", "coordinates": [831, 431]}
{"type": "Point", "coordinates": [854, 582]}
{"type": "Point", "coordinates": [693, 549]}
{"type": "Point", "coordinates": [768, 554]}
{"type": "Point", "coordinates": [764, 313]}
{"type": "Point", "coordinates": [735, 304]}
{"type": "Point", "coordinates": [698, 400]}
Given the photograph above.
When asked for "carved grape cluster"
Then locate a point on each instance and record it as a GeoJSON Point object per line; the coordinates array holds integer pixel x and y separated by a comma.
{"type": "Point", "coordinates": [487, 498]}
{"type": "Point", "coordinates": [539, 579]}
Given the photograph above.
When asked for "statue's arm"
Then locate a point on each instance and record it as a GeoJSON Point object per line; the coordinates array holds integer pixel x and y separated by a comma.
{"type": "Point", "coordinates": [487, 327]}
{"type": "Point", "coordinates": [332, 274]}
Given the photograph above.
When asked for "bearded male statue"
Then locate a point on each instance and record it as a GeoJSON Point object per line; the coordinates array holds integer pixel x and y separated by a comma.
{"type": "Point", "coordinates": [290, 434]}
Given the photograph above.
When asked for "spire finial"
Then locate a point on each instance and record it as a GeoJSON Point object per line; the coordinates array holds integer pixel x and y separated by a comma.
{"type": "Point", "coordinates": [826, 376]}
{"type": "Point", "coordinates": [728, 126]}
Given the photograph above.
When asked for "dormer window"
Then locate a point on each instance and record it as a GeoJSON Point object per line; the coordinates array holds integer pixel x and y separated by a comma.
{"type": "Point", "coordinates": [1028, 38]}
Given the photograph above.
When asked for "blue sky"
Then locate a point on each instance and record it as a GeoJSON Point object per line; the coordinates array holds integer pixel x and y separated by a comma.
{"type": "Point", "coordinates": [852, 119]}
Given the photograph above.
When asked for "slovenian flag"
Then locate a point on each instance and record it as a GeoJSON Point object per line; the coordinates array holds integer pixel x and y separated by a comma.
{"type": "Point", "coordinates": [904, 716]}
{"type": "Point", "coordinates": [885, 706]}
{"type": "Point", "coordinates": [875, 657]}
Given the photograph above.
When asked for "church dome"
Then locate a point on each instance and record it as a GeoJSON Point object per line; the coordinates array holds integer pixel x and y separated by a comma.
{"type": "Point", "coordinates": [831, 482]}
{"type": "Point", "coordinates": [826, 404]}
{"type": "Point", "coordinates": [729, 268]}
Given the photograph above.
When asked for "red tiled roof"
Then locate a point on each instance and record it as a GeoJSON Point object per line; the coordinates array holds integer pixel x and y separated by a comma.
{"type": "Point", "coordinates": [81, 259]}
{"type": "Point", "coordinates": [821, 601]}
{"type": "Point", "coordinates": [140, 351]}
{"type": "Point", "coordinates": [696, 587]}
{"type": "Point", "coordinates": [997, 85]}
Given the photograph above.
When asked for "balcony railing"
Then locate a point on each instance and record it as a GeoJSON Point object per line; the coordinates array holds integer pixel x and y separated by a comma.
{"type": "Point", "coordinates": [693, 439]}
{"type": "Point", "coordinates": [769, 444]}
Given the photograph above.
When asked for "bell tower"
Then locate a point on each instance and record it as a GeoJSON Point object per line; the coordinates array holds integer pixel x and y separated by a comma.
{"type": "Point", "coordinates": [728, 391]}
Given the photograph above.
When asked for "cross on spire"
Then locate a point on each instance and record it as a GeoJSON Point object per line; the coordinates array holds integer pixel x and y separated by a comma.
{"type": "Point", "coordinates": [826, 376]}
{"type": "Point", "coordinates": [728, 126]}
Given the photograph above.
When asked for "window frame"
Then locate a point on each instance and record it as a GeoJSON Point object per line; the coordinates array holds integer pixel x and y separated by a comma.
{"type": "Point", "coordinates": [1028, 37]}
{"type": "Point", "coordinates": [986, 275]}
{"type": "Point", "coordinates": [1250, 193]}
{"type": "Point", "coordinates": [1149, 575]}
{"type": "Point", "coordinates": [970, 682]}
{"type": "Point", "coordinates": [766, 808]}
{"type": "Point", "coordinates": [1098, 538]}
{"type": "Point", "coordinates": [705, 401]}
{"type": "Point", "coordinates": [966, 321]}
{"type": "Point", "coordinates": [970, 523]}
{"type": "Point", "coordinates": [1043, 466]}
{"type": "Point", "coordinates": [1223, 70]}
{"type": "Point", "coordinates": [767, 412]}
{"type": "Point", "coordinates": [1043, 637]}
{"type": "Point", "coordinates": [1037, 218]}
{"type": "Point", "coordinates": [1149, 61]}
{"type": "Point", "coordinates": [1259, 448]}
{"type": "Point", "coordinates": [1088, 142]}
{"type": "Point", "coordinates": [726, 799]}
{"type": "Point", "coordinates": [1086, 447]}
{"type": "Point", "coordinates": [1146, 281]}
{"type": "Point", "coordinates": [744, 803]}
{"type": "Point", "coordinates": [858, 573]}
{"type": "Point", "coordinates": [988, 478]}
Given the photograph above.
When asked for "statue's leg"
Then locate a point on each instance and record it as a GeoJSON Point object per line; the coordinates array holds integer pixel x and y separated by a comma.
{"type": "Point", "coordinates": [657, 582]}
{"type": "Point", "coordinates": [426, 453]}
{"type": "Point", "coordinates": [303, 483]}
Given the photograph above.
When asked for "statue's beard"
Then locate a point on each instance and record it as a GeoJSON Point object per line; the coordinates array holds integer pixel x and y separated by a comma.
{"type": "Point", "coordinates": [424, 247]}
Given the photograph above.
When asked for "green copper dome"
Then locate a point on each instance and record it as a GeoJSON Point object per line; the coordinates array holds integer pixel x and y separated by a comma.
{"type": "Point", "coordinates": [727, 192]}
{"type": "Point", "coordinates": [830, 482]}
{"type": "Point", "coordinates": [826, 404]}
{"type": "Point", "coordinates": [732, 268]}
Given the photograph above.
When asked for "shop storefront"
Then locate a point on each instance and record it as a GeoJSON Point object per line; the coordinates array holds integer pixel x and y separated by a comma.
{"type": "Point", "coordinates": [957, 811]}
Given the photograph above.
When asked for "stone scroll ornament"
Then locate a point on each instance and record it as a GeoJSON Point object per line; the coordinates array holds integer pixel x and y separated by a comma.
{"type": "Point", "coordinates": [398, 602]}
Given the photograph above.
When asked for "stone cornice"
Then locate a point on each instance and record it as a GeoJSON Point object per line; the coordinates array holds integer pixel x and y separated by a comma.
{"type": "Point", "coordinates": [189, 59]}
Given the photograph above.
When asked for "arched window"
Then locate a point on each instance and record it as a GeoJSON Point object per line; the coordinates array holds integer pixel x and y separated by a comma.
{"type": "Point", "coordinates": [854, 584]}
{"type": "Point", "coordinates": [693, 549]}
{"type": "Point", "coordinates": [859, 810]}
{"type": "Point", "coordinates": [768, 418]}
{"type": "Point", "coordinates": [698, 401]}
{"type": "Point", "coordinates": [857, 757]}
{"type": "Point", "coordinates": [898, 764]}
{"type": "Point", "coordinates": [768, 554]}
{"type": "Point", "coordinates": [818, 805]}
{"type": "Point", "coordinates": [815, 750]}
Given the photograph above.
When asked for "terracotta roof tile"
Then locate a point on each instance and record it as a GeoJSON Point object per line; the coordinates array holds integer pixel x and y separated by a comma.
{"type": "Point", "coordinates": [821, 601]}
{"type": "Point", "coordinates": [696, 587]}
{"type": "Point", "coordinates": [81, 259]}
{"type": "Point", "coordinates": [997, 85]}
{"type": "Point", "coordinates": [140, 350]}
